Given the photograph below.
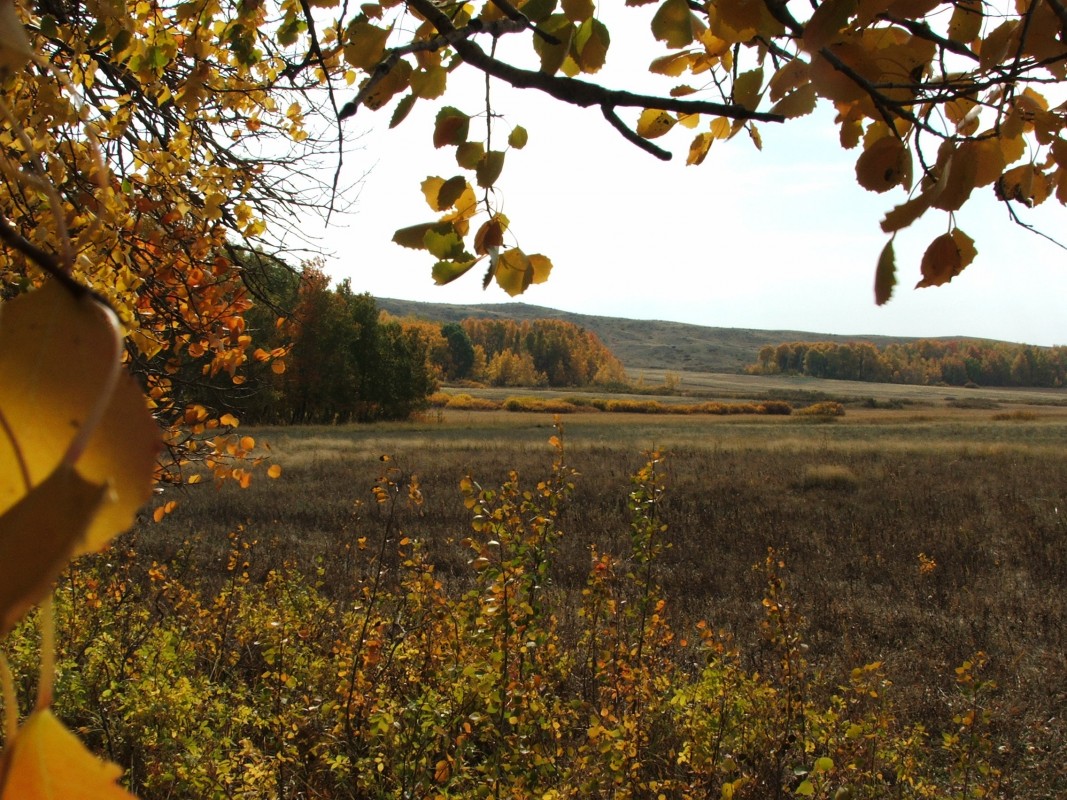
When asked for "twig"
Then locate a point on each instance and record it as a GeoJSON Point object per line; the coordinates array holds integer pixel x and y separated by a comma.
{"type": "Point", "coordinates": [632, 136]}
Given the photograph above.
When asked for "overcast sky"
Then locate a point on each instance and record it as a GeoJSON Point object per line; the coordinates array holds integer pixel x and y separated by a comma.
{"type": "Point", "coordinates": [778, 239]}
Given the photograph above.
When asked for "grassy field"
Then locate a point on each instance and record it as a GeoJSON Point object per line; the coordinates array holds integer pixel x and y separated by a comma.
{"type": "Point", "coordinates": [916, 536]}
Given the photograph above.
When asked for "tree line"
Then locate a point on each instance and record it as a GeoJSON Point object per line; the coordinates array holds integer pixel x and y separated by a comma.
{"type": "Point", "coordinates": [322, 354]}
{"type": "Point", "coordinates": [923, 362]}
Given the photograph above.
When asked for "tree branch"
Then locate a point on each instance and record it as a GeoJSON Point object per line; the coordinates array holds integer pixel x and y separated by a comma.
{"type": "Point", "coordinates": [568, 90]}
{"type": "Point", "coordinates": [631, 136]}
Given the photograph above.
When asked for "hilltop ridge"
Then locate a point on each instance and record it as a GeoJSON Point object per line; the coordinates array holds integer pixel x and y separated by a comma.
{"type": "Point", "coordinates": [646, 344]}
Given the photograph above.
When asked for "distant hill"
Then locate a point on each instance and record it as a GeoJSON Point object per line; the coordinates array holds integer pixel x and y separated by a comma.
{"type": "Point", "coordinates": [643, 344]}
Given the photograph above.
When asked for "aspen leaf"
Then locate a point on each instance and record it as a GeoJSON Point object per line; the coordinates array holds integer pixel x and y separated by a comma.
{"type": "Point", "coordinates": [591, 43]}
{"type": "Point", "coordinates": [654, 123]}
{"type": "Point", "coordinates": [38, 536]}
{"type": "Point", "coordinates": [15, 50]}
{"type": "Point", "coordinates": [365, 44]}
{"type": "Point", "coordinates": [796, 104]}
{"type": "Point", "coordinates": [553, 55]}
{"type": "Point", "coordinates": [988, 159]}
{"type": "Point", "coordinates": [469, 154]}
{"type": "Point", "coordinates": [490, 234]}
{"type": "Point", "coordinates": [885, 276]}
{"type": "Point", "coordinates": [414, 236]}
{"type": "Point", "coordinates": [395, 81]}
{"type": "Point", "coordinates": [965, 24]}
{"type": "Point", "coordinates": [403, 108]}
{"type": "Point", "coordinates": [995, 47]}
{"type": "Point", "coordinates": [791, 75]}
{"type": "Point", "coordinates": [429, 83]}
{"type": "Point", "coordinates": [274, 471]}
{"type": "Point", "coordinates": [541, 266]}
{"type": "Point", "coordinates": [450, 192]}
{"type": "Point", "coordinates": [698, 148]}
{"type": "Point", "coordinates": [58, 385]}
{"type": "Point", "coordinates": [489, 168]}
{"type": "Point", "coordinates": [447, 271]}
{"type": "Point", "coordinates": [431, 190]}
{"type": "Point", "coordinates": [747, 88]}
{"type": "Point", "coordinates": [941, 262]}
{"type": "Point", "coordinates": [577, 10]}
{"type": "Point", "coordinates": [674, 23]}
{"type": "Point", "coordinates": [906, 213]}
{"type": "Point", "coordinates": [518, 137]}
{"type": "Point", "coordinates": [450, 127]}
{"type": "Point", "coordinates": [958, 181]}
{"type": "Point", "coordinates": [881, 166]}
{"type": "Point", "coordinates": [443, 244]}
{"type": "Point", "coordinates": [48, 762]}
{"type": "Point", "coordinates": [674, 64]}
{"type": "Point", "coordinates": [826, 23]}
{"type": "Point", "coordinates": [514, 271]}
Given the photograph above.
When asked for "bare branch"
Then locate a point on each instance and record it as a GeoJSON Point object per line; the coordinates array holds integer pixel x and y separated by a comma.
{"type": "Point", "coordinates": [632, 137]}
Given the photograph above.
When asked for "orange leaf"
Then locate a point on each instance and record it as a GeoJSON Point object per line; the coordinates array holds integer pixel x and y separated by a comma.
{"type": "Point", "coordinates": [941, 262]}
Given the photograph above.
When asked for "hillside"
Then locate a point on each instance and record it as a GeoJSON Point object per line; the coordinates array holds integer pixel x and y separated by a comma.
{"type": "Point", "coordinates": [642, 344]}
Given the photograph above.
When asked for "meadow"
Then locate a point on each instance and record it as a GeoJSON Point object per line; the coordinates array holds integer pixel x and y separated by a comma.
{"type": "Point", "coordinates": [895, 575]}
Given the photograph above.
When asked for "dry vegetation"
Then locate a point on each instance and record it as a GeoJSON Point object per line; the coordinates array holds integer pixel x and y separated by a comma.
{"type": "Point", "coordinates": [916, 537]}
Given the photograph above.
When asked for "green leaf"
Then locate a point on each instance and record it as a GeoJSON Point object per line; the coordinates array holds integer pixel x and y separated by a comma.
{"type": "Point", "coordinates": [518, 137]}
{"type": "Point", "coordinates": [553, 55]}
{"type": "Point", "coordinates": [591, 43]}
{"type": "Point", "coordinates": [489, 168]}
{"type": "Point", "coordinates": [451, 127]}
{"type": "Point", "coordinates": [450, 192]}
{"type": "Point", "coordinates": [447, 271]}
{"type": "Point", "coordinates": [414, 236]}
{"type": "Point", "coordinates": [469, 154]}
{"type": "Point", "coordinates": [885, 276]}
{"type": "Point", "coordinates": [403, 108]}
{"type": "Point", "coordinates": [806, 789]}
{"type": "Point", "coordinates": [444, 244]}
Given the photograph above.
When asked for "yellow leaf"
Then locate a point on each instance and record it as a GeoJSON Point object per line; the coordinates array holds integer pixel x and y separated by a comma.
{"type": "Point", "coordinates": [59, 356]}
{"type": "Point", "coordinates": [366, 44]}
{"type": "Point", "coordinates": [906, 213]}
{"type": "Point", "coordinates": [674, 23]}
{"type": "Point", "coordinates": [796, 104]}
{"type": "Point", "coordinates": [966, 21]}
{"type": "Point", "coordinates": [958, 179]}
{"type": "Point", "coordinates": [792, 74]}
{"type": "Point", "coordinates": [513, 271]}
{"type": "Point", "coordinates": [747, 88]}
{"type": "Point", "coordinates": [578, 10]}
{"type": "Point", "coordinates": [654, 123]}
{"type": "Point", "coordinates": [38, 536]}
{"type": "Point", "coordinates": [48, 762]}
{"type": "Point", "coordinates": [15, 50]}
{"type": "Point", "coordinates": [882, 165]}
{"type": "Point", "coordinates": [826, 24]}
{"type": "Point", "coordinates": [541, 266]}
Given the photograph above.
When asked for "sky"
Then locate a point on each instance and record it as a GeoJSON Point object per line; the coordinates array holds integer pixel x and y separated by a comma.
{"type": "Point", "coordinates": [782, 239]}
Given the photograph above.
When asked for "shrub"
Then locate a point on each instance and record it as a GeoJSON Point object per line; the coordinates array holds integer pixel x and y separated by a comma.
{"type": "Point", "coordinates": [829, 476]}
{"type": "Point", "coordinates": [825, 408]}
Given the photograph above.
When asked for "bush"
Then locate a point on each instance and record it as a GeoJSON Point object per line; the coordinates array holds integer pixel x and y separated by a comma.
{"type": "Point", "coordinates": [825, 408]}
{"type": "Point", "coordinates": [829, 476]}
